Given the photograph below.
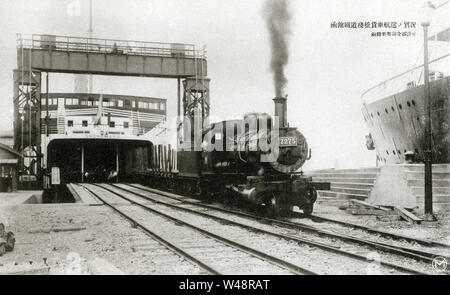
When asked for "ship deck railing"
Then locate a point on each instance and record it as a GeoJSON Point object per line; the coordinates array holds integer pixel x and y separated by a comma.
{"type": "Point", "coordinates": [110, 46]}
{"type": "Point", "coordinates": [399, 83]}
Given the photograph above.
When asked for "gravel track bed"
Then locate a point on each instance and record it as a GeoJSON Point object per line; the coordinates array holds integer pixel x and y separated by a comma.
{"type": "Point", "coordinates": [101, 234]}
{"type": "Point", "coordinates": [436, 231]}
{"type": "Point", "coordinates": [367, 251]}
{"type": "Point", "coordinates": [438, 250]}
{"type": "Point", "coordinates": [324, 262]}
{"type": "Point", "coordinates": [223, 258]}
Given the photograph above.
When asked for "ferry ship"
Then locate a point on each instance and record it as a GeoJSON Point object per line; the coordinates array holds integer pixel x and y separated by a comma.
{"type": "Point", "coordinates": [395, 109]}
{"type": "Point", "coordinates": [395, 112]}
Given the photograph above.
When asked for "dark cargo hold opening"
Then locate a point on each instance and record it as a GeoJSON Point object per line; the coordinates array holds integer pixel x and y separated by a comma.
{"type": "Point", "coordinates": [93, 160]}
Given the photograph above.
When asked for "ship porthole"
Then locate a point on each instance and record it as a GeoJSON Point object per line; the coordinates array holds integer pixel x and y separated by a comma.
{"type": "Point", "coordinates": [387, 152]}
{"type": "Point", "coordinates": [399, 152]}
{"type": "Point", "coordinates": [413, 102]}
{"type": "Point", "coordinates": [400, 106]}
{"type": "Point", "coordinates": [408, 104]}
{"type": "Point", "coordinates": [393, 152]}
{"type": "Point", "coordinates": [392, 108]}
{"type": "Point", "coordinates": [378, 113]}
{"type": "Point", "coordinates": [386, 111]}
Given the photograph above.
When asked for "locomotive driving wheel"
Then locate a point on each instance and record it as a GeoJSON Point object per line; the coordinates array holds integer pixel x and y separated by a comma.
{"type": "Point", "coordinates": [275, 207]}
{"type": "Point", "coordinates": [311, 197]}
{"type": "Point", "coordinates": [198, 189]}
{"type": "Point", "coordinates": [272, 206]}
{"type": "Point", "coordinates": [308, 209]}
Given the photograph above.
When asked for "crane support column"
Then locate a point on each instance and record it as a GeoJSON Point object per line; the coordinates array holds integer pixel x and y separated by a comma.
{"type": "Point", "coordinates": [27, 123]}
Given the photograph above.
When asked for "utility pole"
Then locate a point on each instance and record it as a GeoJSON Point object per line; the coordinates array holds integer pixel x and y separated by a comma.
{"type": "Point", "coordinates": [428, 151]}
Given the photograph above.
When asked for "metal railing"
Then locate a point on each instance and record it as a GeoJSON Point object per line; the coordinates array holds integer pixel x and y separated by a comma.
{"type": "Point", "coordinates": [400, 82]}
{"type": "Point", "coordinates": [110, 46]}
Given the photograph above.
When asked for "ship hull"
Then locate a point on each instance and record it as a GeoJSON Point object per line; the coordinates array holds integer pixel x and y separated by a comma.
{"type": "Point", "coordinates": [397, 123]}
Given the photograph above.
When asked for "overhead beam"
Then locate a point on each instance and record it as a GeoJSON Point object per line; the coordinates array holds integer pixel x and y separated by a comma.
{"type": "Point", "coordinates": [75, 62]}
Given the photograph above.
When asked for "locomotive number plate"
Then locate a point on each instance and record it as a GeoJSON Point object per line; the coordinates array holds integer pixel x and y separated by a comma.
{"type": "Point", "coordinates": [288, 141]}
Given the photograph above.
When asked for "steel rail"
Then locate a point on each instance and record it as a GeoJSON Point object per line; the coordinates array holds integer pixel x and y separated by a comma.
{"type": "Point", "coordinates": [157, 237]}
{"type": "Point", "coordinates": [315, 217]}
{"type": "Point", "coordinates": [404, 251]}
{"type": "Point", "coordinates": [282, 236]}
{"type": "Point", "coordinates": [253, 252]}
{"type": "Point", "coordinates": [408, 252]}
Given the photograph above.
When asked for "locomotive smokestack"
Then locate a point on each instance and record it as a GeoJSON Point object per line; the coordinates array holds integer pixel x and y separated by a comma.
{"type": "Point", "coordinates": [278, 18]}
{"type": "Point", "coordinates": [281, 110]}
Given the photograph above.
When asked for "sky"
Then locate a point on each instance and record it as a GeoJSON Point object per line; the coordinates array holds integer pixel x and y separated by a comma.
{"type": "Point", "coordinates": [328, 68]}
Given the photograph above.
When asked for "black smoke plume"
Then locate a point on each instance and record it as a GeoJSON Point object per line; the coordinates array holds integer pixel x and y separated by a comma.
{"type": "Point", "coordinates": [277, 16]}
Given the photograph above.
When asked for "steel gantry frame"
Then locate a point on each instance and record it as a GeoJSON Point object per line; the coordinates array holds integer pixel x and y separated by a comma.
{"type": "Point", "coordinates": [27, 123]}
{"type": "Point", "coordinates": [75, 55]}
{"type": "Point", "coordinates": [196, 101]}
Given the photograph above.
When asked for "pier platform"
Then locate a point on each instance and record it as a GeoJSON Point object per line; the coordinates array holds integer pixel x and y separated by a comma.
{"type": "Point", "coordinates": [390, 185]}
{"type": "Point", "coordinates": [72, 238]}
{"type": "Point", "coordinates": [20, 197]}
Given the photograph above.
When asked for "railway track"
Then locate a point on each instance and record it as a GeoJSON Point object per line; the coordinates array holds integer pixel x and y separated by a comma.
{"type": "Point", "coordinates": [398, 237]}
{"type": "Point", "coordinates": [387, 246]}
{"type": "Point", "coordinates": [167, 228]}
{"type": "Point", "coordinates": [265, 226]}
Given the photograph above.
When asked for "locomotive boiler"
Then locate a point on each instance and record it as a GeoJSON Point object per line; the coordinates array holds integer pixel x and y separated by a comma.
{"type": "Point", "coordinates": [255, 159]}
{"type": "Point", "coordinates": [245, 168]}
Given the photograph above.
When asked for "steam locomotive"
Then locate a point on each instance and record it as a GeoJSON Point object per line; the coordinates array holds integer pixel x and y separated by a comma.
{"type": "Point", "coordinates": [252, 159]}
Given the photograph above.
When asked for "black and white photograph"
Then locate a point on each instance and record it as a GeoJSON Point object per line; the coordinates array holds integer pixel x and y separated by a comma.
{"type": "Point", "coordinates": [224, 144]}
